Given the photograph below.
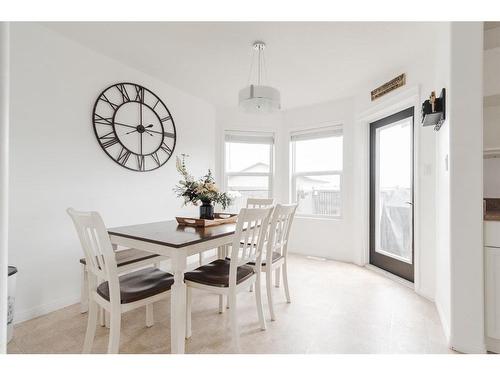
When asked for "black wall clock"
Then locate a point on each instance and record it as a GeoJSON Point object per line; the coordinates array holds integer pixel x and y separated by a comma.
{"type": "Point", "coordinates": [134, 127]}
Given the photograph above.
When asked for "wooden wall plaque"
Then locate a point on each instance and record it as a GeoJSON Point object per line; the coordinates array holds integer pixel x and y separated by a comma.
{"type": "Point", "coordinates": [387, 87]}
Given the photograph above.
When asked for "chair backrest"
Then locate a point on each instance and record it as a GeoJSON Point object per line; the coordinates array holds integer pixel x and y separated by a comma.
{"type": "Point", "coordinates": [99, 255]}
{"type": "Point", "coordinates": [249, 238]}
{"type": "Point", "coordinates": [260, 202]}
{"type": "Point", "coordinates": [279, 230]}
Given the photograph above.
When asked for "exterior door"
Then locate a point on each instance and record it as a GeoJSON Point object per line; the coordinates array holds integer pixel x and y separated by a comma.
{"type": "Point", "coordinates": [391, 194]}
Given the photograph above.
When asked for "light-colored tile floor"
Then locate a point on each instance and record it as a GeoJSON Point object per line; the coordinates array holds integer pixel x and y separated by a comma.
{"type": "Point", "coordinates": [336, 308]}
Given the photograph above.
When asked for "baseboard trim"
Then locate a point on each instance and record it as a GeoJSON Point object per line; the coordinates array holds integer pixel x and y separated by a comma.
{"type": "Point", "coordinates": [34, 312]}
{"type": "Point", "coordinates": [492, 345]}
{"type": "Point", "coordinates": [479, 349]}
{"type": "Point", "coordinates": [444, 323]}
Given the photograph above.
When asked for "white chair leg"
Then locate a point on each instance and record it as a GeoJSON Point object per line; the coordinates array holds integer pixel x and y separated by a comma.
{"type": "Point", "coordinates": [285, 282]}
{"type": "Point", "coordinates": [114, 332]}
{"type": "Point", "coordinates": [234, 321]}
{"type": "Point", "coordinates": [91, 327]}
{"type": "Point", "coordinates": [107, 319]}
{"type": "Point", "coordinates": [221, 304]}
{"type": "Point", "coordinates": [102, 321]}
{"type": "Point", "coordinates": [258, 300]}
{"type": "Point", "coordinates": [150, 321]}
{"type": "Point", "coordinates": [84, 294]}
{"type": "Point", "coordinates": [277, 277]}
{"type": "Point", "coordinates": [188, 312]}
{"type": "Point", "coordinates": [269, 284]}
{"type": "Point", "coordinates": [200, 256]}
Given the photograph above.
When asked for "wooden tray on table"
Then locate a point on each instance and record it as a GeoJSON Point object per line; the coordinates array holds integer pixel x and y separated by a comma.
{"type": "Point", "coordinates": [220, 218]}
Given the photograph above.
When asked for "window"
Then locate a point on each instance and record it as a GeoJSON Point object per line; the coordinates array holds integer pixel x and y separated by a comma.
{"type": "Point", "coordinates": [248, 165]}
{"type": "Point", "coordinates": [317, 171]}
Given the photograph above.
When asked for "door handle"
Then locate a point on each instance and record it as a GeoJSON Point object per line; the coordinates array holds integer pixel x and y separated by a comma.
{"type": "Point", "coordinates": [410, 203]}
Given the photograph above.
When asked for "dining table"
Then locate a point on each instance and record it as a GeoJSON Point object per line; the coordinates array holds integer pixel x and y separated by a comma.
{"type": "Point", "coordinates": [177, 242]}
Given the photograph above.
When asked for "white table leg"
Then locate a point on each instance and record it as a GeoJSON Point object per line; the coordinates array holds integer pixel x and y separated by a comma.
{"type": "Point", "coordinates": [178, 304]}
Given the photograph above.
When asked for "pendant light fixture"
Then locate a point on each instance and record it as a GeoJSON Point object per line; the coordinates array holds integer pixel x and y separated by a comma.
{"type": "Point", "coordinates": [258, 98]}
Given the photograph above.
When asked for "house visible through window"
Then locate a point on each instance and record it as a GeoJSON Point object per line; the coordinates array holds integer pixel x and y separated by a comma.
{"type": "Point", "coordinates": [317, 165]}
{"type": "Point", "coordinates": [248, 165]}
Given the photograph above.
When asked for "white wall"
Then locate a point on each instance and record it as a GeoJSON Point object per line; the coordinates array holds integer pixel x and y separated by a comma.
{"type": "Point", "coordinates": [4, 178]}
{"type": "Point", "coordinates": [56, 161]}
{"type": "Point", "coordinates": [492, 125]}
{"type": "Point", "coordinates": [491, 170]}
{"type": "Point", "coordinates": [491, 64]}
{"type": "Point", "coordinates": [491, 141]}
{"type": "Point", "coordinates": [466, 187]}
{"type": "Point", "coordinates": [421, 81]}
{"type": "Point", "coordinates": [329, 238]}
{"type": "Point", "coordinates": [344, 238]}
{"type": "Point", "coordinates": [332, 236]}
{"type": "Point", "coordinates": [459, 189]}
{"type": "Point", "coordinates": [443, 264]}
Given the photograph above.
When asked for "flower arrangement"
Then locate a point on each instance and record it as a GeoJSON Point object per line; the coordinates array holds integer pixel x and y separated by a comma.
{"type": "Point", "coordinates": [202, 190]}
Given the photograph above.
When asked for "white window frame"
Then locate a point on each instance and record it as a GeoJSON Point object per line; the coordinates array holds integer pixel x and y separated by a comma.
{"type": "Point", "coordinates": [315, 133]}
{"type": "Point", "coordinates": [251, 137]}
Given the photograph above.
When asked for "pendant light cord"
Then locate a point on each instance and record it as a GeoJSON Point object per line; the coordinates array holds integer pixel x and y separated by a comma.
{"type": "Point", "coordinates": [251, 68]}
{"type": "Point", "coordinates": [261, 67]}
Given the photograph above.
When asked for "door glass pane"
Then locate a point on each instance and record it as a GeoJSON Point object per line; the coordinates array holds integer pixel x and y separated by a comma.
{"type": "Point", "coordinates": [318, 195]}
{"type": "Point", "coordinates": [393, 208]}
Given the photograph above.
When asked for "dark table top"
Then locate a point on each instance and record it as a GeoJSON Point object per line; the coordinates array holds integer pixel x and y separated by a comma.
{"type": "Point", "coordinates": [169, 233]}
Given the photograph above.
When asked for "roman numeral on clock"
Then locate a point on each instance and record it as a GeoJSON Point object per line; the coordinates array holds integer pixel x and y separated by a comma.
{"type": "Point", "coordinates": [156, 158]}
{"type": "Point", "coordinates": [166, 148]}
{"type": "Point", "coordinates": [98, 119]}
{"type": "Point", "coordinates": [123, 156]}
{"type": "Point", "coordinates": [112, 141]}
{"type": "Point", "coordinates": [139, 94]}
{"type": "Point", "coordinates": [123, 91]}
{"type": "Point", "coordinates": [105, 99]}
{"type": "Point", "coordinates": [141, 165]}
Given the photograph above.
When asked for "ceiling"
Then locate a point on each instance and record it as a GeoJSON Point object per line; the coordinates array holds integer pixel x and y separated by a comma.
{"type": "Point", "coordinates": [308, 62]}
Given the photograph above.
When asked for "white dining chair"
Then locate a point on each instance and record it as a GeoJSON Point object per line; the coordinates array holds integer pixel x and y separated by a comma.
{"type": "Point", "coordinates": [127, 260]}
{"type": "Point", "coordinates": [251, 203]}
{"type": "Point", "coordinates": [115, 294]}
{"type": "Point", "coordinates": [259, 203]}
{"type": "Point", "coordinates": [228, 277]}
{"type": "Point", "coordinates": [276, 251]}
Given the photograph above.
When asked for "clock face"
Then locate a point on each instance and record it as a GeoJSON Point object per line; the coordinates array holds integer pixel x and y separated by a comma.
{"type": "Point", "coordinates": [134, 127]}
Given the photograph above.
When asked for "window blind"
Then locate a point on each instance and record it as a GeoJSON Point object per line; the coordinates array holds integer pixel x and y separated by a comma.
{"type": "Point", "coordinates": [249, 137]}
{"type": "Point", "coordinates": [324, 132]}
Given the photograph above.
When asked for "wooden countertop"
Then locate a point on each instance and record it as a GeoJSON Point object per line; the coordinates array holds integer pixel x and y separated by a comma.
{"type": "Point", "coordinates": [491, 209]}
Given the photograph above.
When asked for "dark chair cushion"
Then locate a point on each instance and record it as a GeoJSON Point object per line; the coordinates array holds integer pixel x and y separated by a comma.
{"type": "Point", "coordinates": [216, 273]}
{"type": "Point", "coordinates": [276, 256]}
{"type": "Point", "coordinates": [128, 256]}
{"type": "Point", "coordinates": [140, 284]}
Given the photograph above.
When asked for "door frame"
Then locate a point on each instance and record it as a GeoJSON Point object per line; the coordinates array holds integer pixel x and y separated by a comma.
{"type": "Point", "coordinates": [392, 103]}
{"type": "Point", "coordinates": [401, 270]}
